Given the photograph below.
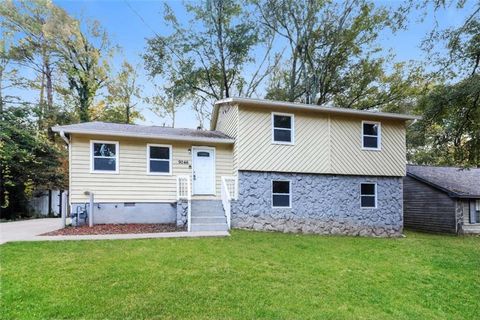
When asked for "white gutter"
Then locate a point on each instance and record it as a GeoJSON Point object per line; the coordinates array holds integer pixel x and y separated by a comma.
{"type": "Point", "coordinates": [149, 136]}
{"type": "Point", "coordinates": [308, 107]}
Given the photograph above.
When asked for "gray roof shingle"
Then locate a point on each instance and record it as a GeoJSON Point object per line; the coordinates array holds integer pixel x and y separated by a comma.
{"type": "Point", "coordinates": [132, 130]}
{"type": "Point", "coordinates": [458, 182]}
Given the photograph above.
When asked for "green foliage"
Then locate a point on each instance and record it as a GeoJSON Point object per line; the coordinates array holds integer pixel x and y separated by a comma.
{"type": "Point", "coordinates": [85, 64]}
{"type": "Point", "coordinates": [205, 59]}
{"type": "Point", "coordinates": [27, 159]}
{"type": "Point", "coordinates": [449, 133]}
{"type": "Point", "coordinates": [123, 96]}
{"type": "Point", "coordinates": [333, 54]}
{"type": "Point", "coordinates": [249, 275]}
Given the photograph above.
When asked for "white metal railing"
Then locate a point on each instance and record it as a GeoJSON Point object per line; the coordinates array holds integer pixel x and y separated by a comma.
{"type": "Point", "coordinates": [184, 192]}
{"type": "Point", "coordinates": [229, 191]}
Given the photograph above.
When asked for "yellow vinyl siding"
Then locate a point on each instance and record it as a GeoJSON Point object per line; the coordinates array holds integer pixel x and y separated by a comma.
{"type": "Point", "coordinates": [323, 144]}
{"type": "Point", "coordinates": [257, 152]}
{"type": "Point", "coordinates": [133, 183]}
{"type": "Point", "coordinates": [349, 158]}
{"type": "Point", "coordinates": [227, 123]}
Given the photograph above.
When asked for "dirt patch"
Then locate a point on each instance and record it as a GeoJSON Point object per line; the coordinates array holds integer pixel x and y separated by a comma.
{"type": "Point", "coordinates": [114, 229]}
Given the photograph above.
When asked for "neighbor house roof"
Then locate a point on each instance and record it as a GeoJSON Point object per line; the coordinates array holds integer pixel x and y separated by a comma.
{"type": "Point", "coordinates": [140, 131]}
{"type": "Point", "coordinates": [457, 182]}
{"type": "Point", "coordinates": [291, 106]}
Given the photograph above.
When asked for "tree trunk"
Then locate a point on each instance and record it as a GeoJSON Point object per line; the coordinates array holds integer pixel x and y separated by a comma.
{"type": "Point", "coordinates": [293, 76]}
{"type": "Point", "coordinates": [50, 116]}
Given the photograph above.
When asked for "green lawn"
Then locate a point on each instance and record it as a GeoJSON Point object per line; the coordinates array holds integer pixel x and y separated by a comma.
{"type": "Point", "coordinates": [248, 275]}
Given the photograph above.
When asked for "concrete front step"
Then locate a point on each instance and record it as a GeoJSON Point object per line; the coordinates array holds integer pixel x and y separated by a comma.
{"type": "Point", "coordinates": [207, 213]}
{"type": "Point", "coordinates": [209, 227]}
{"type": "Point", "coordinates": [208, 219]}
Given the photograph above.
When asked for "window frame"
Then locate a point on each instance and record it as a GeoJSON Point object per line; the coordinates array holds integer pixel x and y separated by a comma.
{"type": "Point", "coordinates": [170, 160]}
{"type": "Point", "coordinates": [92, 156]}
{"type": "Point", "coordinates": [378, 136]}
{"type": "Point", "coordinates": [289, 194]}
{"type": "Point", "coordinates": [292, 129]}
{"type": "Point", "coordinates": [369, 195]}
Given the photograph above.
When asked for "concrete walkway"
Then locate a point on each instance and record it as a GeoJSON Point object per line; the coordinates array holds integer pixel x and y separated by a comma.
{"type": "Point", "coordinates": [30, 230]}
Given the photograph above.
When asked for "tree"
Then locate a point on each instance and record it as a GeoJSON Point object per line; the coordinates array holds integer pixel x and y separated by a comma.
{"type": "Point", "coordinates": [35, 24]}
{"type": "Point", "coordinates": [207, 57]}
{"type": "Point", "coordinates": [27, 161]}
{"type": "Point", "coordinates": [85, 64]}
{"type": "Point", "coordinates": [166, 102]}
{"type": "Point", "coordinates": [123, 96]}
{"type": "Point", "coordinates": [9, 77]}
{"type": "Point", "coordinates": [332, 53]}
{"type": "Point", "coordinates": [449, 132]}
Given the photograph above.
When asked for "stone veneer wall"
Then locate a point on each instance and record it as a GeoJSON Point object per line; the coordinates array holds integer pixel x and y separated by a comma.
{"type": "Point", "coordinates": [323, 204]}
{"type": "Point", "coordinates": [182, 213]}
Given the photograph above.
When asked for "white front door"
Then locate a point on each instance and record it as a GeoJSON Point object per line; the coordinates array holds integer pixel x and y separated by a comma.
{"type": "Point", "coordinates": [203, 170]}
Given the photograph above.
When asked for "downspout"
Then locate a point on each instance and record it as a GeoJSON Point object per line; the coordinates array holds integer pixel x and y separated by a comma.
{"type": "Point", "coordinates": [64, 137]}
{"type": "Point", "coordinates": [64, 195]}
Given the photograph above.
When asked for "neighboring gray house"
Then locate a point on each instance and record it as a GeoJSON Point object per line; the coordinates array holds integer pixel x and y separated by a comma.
{"type": "Point", "coordinates": [442, 199]}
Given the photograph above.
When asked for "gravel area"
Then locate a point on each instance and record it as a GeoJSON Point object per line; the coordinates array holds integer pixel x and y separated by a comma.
{"type": "Point", "coordinates": [114, 229]}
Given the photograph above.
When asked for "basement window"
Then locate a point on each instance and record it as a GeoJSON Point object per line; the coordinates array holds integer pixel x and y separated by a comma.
{"type": "Point", "coordinates": [368, 195]}
{"type": "Point", "coordinates": [283, 131]}
{"type": "Point", "coordinates": [104, 156]}
{"type": "Point", "coordinates": [371, 135]}
{"type": "Point", "coordinates": [281, 194]}
{"type": "Point", "coordinates": [159, 159]}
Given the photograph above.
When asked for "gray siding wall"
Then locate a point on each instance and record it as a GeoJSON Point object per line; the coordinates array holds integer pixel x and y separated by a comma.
{"type": "Point", "coordinates": [118, 213]}
{"type": "Point", "coordinates": [323, 204]}
{"type": "Point", "coordinates": [427, 208]}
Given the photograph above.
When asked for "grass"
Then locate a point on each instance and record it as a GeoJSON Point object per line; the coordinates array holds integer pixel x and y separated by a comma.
{"type": "Point", "coordinates": [248, 275]}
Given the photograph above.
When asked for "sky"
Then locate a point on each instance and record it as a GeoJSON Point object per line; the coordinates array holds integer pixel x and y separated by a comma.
{"type": "Point", "coordinates": [130, 22]}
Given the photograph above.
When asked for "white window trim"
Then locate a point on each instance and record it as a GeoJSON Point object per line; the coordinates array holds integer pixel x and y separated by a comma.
{"type": "Point", "coordinates": [367, 195]}
{"type": "Point", "coordinates": [169, 173]}
{"type": "Point", "coordinates": [117, 156]}
{"type": "Point", "coordinates": [289, 194]}
{"type": "Point", "coordinates": [378, 136]}
{"type": "Point", "coordinates": [292, 130]}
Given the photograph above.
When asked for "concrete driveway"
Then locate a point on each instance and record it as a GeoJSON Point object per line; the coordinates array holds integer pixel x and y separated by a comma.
{"type": "Point", "coordinates": [27, 229]}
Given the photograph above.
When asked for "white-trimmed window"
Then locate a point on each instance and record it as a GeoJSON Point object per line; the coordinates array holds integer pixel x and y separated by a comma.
{"type": "Point", "coordinates": [283, 128]}
{"type": "Point", "coordinates": [371, 135]}
{"type": "Point", "coordinates": [104, 156]}
{"type": "Point", "coordinates": [159, 158]}
{"type": "Point", "coordinates": [281, 194]}
{"type": "Point", "coordinates": [368, 195]}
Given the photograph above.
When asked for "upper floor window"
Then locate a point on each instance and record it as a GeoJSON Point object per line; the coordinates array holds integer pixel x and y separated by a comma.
{"type": "Point", "coordinates": [283, 129]}
{"type": "Point", "coordinates": [159, 159]}
{"type": "Point", "coordinates": [371, 135]}
{"type": "Point", "coordinates": [104, 156]}
{"type": "Point", "coordinates": [368, 195]}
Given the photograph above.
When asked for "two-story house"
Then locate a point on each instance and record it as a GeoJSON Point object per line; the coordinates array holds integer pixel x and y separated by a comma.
{"type": "Point", "coordinates": [264, 165]}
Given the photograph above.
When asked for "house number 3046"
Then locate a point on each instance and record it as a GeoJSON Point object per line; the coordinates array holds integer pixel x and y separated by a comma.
{"type": "Point", "coordinates": [183, 161]}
